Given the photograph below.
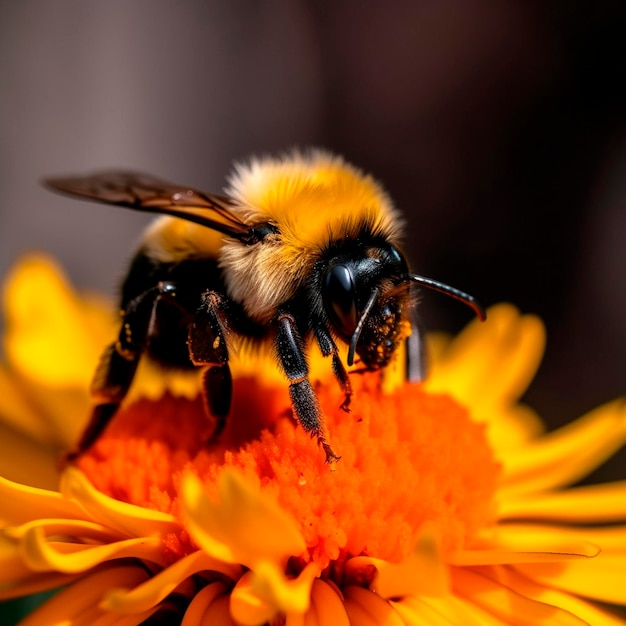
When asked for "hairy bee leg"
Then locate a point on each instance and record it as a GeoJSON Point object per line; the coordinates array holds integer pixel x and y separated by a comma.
{"type": "Point", "coordinates": [328, 347]}
{"type": "Point", "coordinates": [118, 363]}
{"type": "Point", "coordinates": [415, 350]}
{"type": "Point", "coordinates": [303, 398]}
{"type": "Point", "coordinates": [110, 385]}
{"type": "Point", "coordinates": [207, 346]}
{"type": "Point", "coordinates": [140, 318]}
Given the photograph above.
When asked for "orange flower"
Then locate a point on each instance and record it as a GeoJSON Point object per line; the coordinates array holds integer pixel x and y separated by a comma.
{"type": "Point", "coordinates": [449, 504]}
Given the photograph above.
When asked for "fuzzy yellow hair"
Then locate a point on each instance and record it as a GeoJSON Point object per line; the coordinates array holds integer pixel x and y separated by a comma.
{"type": "Point", "coordinates": [314, 198]}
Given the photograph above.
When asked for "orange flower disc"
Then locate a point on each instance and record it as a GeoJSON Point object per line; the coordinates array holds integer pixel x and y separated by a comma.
{"type": "Point", "coordinates": [407, 459]}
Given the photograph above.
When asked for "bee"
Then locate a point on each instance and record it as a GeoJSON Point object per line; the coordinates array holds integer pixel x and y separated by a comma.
{"type": "Point", "coordinates": [300, 249]}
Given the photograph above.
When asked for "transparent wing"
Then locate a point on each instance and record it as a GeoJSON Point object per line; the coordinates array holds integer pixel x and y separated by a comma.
{"type": "Point", "coordinates": [153, 195]}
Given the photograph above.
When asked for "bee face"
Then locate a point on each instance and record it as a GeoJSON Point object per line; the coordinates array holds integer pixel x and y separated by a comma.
{"type": "Point", "coordinates": [385, 327]}
{"type": "Point", "coordinates": [365, 297]}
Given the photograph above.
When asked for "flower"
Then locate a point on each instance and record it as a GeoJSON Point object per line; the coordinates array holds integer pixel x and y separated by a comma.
{"type": "Point", "coordinates": [450, 505]}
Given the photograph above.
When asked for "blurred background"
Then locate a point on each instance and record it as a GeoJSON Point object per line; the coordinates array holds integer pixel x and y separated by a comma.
{"type": "Point", "coordinates": [498, 128]}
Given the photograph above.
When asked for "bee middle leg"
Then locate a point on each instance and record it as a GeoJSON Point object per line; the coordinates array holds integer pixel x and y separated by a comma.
{"type": "Point", "coordinates": [303, 398]}
{"type": "Point", "coordinates": [328, 347]}
{"type": "Point", "coordinates": [207, 347]}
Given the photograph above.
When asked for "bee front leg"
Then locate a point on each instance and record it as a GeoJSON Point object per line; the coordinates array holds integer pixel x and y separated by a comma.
{"type": "Point", "coordinates": [303, 399]}
{"type": "Point", "coordinates": [207, 347]}
{"type": "Point", "coordinates": [328, 347]}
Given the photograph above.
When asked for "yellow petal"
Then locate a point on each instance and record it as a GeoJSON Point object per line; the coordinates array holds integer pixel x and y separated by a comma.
{"type": "Point", "coordinates": [47, 339]}
{"type": "Point", "coordinates": [16, 578]}
{"type": "Point", "coordinates": [524, 552]}
{"type": "Point", "coordinates": [247, 607]}
{"type": "Point", "coordinates": [42, 555]}
{"type": "Point", "coordinates": [195, 613]}
{"type": "Point", "coordinates": [505, 603]}
{"type": "Point", "coordinates": [591, 503]}
{"type": "Point", "coordinates": [17, 411]}
{"type": "Point", "coordinates": [512, 426]}
{"type": "Point", "coordinates": [77, 529]}
{"type": "Point", "coordinates": [567, 454]}
{"type": "Point", "coordinates": [128, 519]}
{"type": "Point", "coordinates": [445, 611]}
{"type": "Point", "coordinates": [364, 608]}
{"type": "Point", "coordinates": [422, 573]}
{"type": "Point", "coordinates": [262, 593]}
{"type": "Point", "coordinates": [146, 595]}
{"type": "Point", "coordinates": [590, 613]}
{"type": "Point", "coordinates": [78, 603]}
{"type": "Point", "coordinates": [20, 504]}
{"type": "Point", "coordinates": [491, 363]}
{"type": "Point", "coordinates": [25, 460]}
{"type": "Point", "coordinates": [218, 612]}
{"type": "Point", "coordinates": [601, 578]}
{"type": "Point", "coordinates": [609, 538]}
{"type": "Point", "coordinates": [327, 605]}
{"type": "Point", "coordinates": [230, 530]}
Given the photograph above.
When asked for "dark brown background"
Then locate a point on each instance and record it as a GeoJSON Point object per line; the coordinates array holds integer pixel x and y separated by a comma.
{"type": "Point", "coordinates": [499, 129]}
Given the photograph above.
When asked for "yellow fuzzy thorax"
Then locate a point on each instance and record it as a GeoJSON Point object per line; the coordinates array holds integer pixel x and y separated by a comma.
{"type": "Point", "coordinates": [313, 198]}
{"type": "Point", "coordinates": [171, 239]}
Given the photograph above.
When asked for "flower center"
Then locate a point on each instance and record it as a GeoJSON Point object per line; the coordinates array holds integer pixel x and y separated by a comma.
{"type": "Point", "coordinates": [407, 459]}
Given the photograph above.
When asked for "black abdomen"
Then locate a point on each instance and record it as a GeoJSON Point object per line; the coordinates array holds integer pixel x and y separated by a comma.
{"type": "Point", "coordinates": [160, 325]}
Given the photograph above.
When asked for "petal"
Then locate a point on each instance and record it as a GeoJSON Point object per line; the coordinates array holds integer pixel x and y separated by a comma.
{"type": "Point", "coordinates": [25, 460]}
{"type": "Point", "coordinates": [567, 454]}
{"type": "Point", "coordinates": [424, 611]}
{"type": "Point", "coordinates": [16, 578]}
{"type": "Point", "coordinates": [365, 608]}
{"type": "Point", "coordinates": [20, 504]}
{"type": "Point", "coordinates": [42, 555]}
{"type": "Point", "coordinates": [47, 337]}
{"type": "Point", "coordinates": [422, 573]}
{"type": "Point", "coordinates": [195, 613]}
{"type": "Point", "coordinates": [601, 578]}
{"type": "Point", "coordinates": [515, 553]}
{"type": "Point", "coordinates": [262, 593]}
{"type": "Point", "coordinates": [218, 612]}
{"type": "Point", "coordinates": [609, 538]}
{"type": "Point", "coordinates": [18, 411]}
{"type": "Point", "coordinates": [78, 603]}
{"type": "Point", "coordinates": [230, 530]}
{"type": "Point", "coordinates": [491, 364]}
{"type": "Point", "coordinates": [76, 529]}
{"type": "Point", "coordinates": [128, 519]}
{"type": "Point", "coordinates": [505, 603]}
{"type": "Point", "coordinates": [150, 593]}
{"type": "Point", "coordinates": [586, 611]}
{"type": "Point", "coordinates": [590, 503]}
{"type": "Point", "coordinates": [327, 605]}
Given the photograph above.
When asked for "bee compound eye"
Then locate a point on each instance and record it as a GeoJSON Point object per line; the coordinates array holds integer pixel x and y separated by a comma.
{"type": "Point", "coordinates": [339, 295]}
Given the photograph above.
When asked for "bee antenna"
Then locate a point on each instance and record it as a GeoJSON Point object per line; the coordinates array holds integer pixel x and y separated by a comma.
{"type": "Point", "coordinates": [359, 327]}
{"type": "Point", "coordinates": [457, 294]}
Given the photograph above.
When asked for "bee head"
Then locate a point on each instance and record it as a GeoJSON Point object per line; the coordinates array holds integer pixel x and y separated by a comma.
{"type": "Point", "coordinates": [367, 297]}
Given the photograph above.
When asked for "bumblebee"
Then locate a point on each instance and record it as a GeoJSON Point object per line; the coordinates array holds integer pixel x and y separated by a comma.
{"type": "Point", "coordinates": [300, 249]}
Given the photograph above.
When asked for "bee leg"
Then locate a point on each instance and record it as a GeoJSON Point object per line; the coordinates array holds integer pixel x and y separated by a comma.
{"type": "Point", "coordinates": [118, 363]}
{"type": "Point", "coordinates": [415, 350]}
{"type": "Point", "coordinates": [303, 399]}
{"type": "Point", "coordinates": [109, 387]}
{"type": "Point", "coordinates": [207, 346]}
{"type": "Point", "coordinates": [328, 347]}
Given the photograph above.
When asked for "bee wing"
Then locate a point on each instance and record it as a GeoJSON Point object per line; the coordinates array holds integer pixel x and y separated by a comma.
{"type": "Point", "coordinates": [147, 193]}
